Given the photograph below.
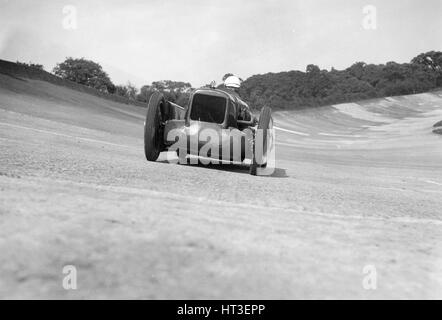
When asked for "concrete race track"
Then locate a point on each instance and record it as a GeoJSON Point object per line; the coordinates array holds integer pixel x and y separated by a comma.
{"type": "Point", "coordinates": [356, 185]}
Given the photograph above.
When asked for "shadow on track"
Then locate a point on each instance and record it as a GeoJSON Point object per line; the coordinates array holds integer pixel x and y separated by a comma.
{"type": "Point", "coordinates": [236, 168]}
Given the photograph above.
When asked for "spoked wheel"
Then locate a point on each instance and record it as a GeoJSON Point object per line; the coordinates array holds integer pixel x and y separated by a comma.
{"type": "Point", "coordinates": [263, 140]}
{"type": "Point", "coordinates": [153, 127]}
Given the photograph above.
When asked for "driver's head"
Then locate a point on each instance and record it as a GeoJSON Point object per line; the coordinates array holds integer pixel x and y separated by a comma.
{"type": "Point", "coordinates": [232, 82]}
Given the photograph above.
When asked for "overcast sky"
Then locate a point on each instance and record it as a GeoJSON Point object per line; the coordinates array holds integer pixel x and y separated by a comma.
{"type": "Point", "coordinates": [199, 41]}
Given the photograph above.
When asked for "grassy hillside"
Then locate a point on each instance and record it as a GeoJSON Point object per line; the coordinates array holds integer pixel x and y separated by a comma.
{"type": "Point", "coordinates": [62, 104]}
{"type": "Point", "coordinates": [22, 71]}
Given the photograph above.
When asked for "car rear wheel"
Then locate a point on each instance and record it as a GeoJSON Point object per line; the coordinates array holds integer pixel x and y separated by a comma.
{"type": "Point", "coordinates": [153, 127]}
{"type": "Point", "coordinates": [262, 140]}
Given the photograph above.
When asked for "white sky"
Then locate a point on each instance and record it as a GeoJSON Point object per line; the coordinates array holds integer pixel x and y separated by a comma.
{"type": "Point", "coordinates": [199, 41]}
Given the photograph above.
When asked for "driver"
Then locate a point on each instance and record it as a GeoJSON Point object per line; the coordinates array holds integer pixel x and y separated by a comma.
{"type": "Point", "coordinates": [232, 83]}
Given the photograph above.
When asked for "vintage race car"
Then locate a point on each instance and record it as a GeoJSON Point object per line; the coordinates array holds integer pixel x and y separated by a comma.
{"type": "Point", "coordinates": [215, 127]}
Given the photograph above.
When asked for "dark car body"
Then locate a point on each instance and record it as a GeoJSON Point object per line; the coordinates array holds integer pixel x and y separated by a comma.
{"type": "Point", "coordinates": [216, 110]}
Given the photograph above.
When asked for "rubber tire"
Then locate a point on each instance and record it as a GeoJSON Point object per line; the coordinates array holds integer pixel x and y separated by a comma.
{"type": "Point", "coordinates": [263, 124]}
{"type": "Point", "coordinates": [153, 138]}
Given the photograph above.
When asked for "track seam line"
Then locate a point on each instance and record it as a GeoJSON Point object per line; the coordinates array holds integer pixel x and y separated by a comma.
{"type": "Point", "coordinates": [202, 200]}
{"type": "Point", "coordinates": [291, 131]}
{"type": "Point", "coordinates": [66, 135]}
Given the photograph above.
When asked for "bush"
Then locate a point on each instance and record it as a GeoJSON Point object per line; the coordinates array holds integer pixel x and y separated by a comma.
{"type": "Point", "coordinates": [31, 65]}
{"type": "Point", "coordinates": [85, 72]}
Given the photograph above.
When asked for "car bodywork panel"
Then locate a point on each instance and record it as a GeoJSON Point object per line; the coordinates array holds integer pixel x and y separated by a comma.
{"type": "Point", "coordinates": [214, 113]}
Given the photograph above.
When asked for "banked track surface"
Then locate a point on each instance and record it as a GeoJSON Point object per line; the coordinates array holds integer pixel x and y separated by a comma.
{"type": "Point", "coordinates": [356, 185]}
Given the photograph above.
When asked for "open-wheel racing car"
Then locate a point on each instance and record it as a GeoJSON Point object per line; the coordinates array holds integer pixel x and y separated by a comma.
{"type": "Point", "coordinates": [216, 127]}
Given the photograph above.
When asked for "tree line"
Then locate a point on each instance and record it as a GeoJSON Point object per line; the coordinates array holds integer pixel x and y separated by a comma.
{"type": "Point", "coordinates": [315, 87]}
{"type": "Point", "coordinates": [284, 90]}
{"type": "Point", "coordinates": [91, 74]}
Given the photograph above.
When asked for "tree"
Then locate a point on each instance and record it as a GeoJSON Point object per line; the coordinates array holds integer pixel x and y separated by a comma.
{"type": "Point", "coordinates": [121, 90]}
{"type": "Point", "coordinates": [145, 93]}
{"type": "Point", "coordinates": [432, 60]}
{"type": "Point", "coordinates": [357, 69]}
{"type": "Point", "coordinates": [85, 72]}
{"type": "Point", "coordinates": [311, 68]}
{"type": "Point", "coordinates": [174, 91]}
{"type": "Point", "coordinates": [131, 91]}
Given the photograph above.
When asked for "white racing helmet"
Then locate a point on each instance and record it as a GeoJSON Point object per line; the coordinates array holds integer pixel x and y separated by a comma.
{"type": "Point", "coordinates": [232, 82]}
